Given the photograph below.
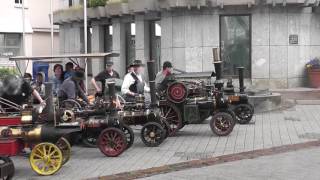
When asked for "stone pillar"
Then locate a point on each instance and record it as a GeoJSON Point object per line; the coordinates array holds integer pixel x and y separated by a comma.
{"type": "Point", "coordinates": [166, 40]}
{"type": "Point", "coordinates": [119, 45]}
{"type": "Point", "coordinates": [97, 42]}
{"type": "Point", "coordinates": [142, 38]}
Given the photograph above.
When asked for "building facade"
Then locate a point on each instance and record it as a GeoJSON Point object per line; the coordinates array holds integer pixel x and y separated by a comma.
{"type": "Point", "coordinates": [272, 39]}
{"type": "Point", "coordinates": [37, 37]}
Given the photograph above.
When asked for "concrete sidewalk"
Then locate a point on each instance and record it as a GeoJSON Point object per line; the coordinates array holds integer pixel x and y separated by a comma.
{"type": "Point", "coordinates": [298, 124]}
{"type": "Point", "coordinates": [297, 165]}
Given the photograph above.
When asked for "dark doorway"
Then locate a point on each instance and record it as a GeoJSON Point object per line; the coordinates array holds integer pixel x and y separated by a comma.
{"type": "Point", "coordinates": [235, 43]}
{"type": "Point", "coordinates": [130, 43]}
{"type": "Point", "coordinates": [155, 43]}
{"type": "Point", "coordinates": [108, 31]}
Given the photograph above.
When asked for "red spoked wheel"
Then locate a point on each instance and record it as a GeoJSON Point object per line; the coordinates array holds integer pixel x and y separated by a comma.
{"type": "Point", "coordinates": [112, 142]}
{"type": "Point", "coordinates": [172, 115]}
{"type": "Point", "coordinates": [177, 92]}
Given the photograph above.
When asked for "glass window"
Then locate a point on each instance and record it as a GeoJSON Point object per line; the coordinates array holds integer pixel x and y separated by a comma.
{"type": "Point", "coordinates": [12, 39]}
{"type": "Point", "coordinates": [18, 1]}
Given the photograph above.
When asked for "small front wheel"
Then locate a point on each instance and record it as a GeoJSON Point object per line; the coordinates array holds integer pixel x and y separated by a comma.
{"type": "Point", "coordinates": [46, 159]}
{"type": "Point", "coordinates": [152, 134]}
{"type": "Point", "coordinates": [6, 161]}
{"type": "Point", "coordinates": [129, 135]}
{"type": "Point", "coordinates": [243, 113]}
{"type": "Point", "coordinates": [222, 124]}
{"type": "Point", "coordinates": [112, 142]}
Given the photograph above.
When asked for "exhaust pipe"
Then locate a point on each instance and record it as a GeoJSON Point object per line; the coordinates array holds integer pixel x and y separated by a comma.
{"type": "Point", "coordinates": [152, 83]}
{"type": "Point", "coordinates": [241, 79]}
{"type": "Point", "coordinates": [49, 101]}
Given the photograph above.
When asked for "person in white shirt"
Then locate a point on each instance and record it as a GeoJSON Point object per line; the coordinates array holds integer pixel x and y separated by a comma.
{"type": "Point", "coordinates": [133, 83]}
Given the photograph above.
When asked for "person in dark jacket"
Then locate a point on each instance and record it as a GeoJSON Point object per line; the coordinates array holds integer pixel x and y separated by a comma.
{"type": "Point", "coordinates": [108, 73]}
{"type": "Point", "coordinates": [70, 88]}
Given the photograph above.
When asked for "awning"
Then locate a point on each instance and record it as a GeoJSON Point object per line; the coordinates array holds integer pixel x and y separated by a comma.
{"type": "Point", "coordinates": [13, 24]}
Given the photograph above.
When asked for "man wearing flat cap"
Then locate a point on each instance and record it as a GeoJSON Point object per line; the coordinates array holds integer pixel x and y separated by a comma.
{"type": "Point", "coordinates": [70, 88]}
{"type": "Point", "coordinates": [163, 77]}
{"type": "Point", "coordinates": [133, 83]}
{"type": "Point", "coordinates": [108, 73]}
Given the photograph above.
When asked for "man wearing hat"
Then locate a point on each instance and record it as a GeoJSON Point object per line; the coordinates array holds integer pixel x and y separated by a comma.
{"type": "Point", "coordinates": [133, 83]}
{"type": "Point", "coordinates": [70, 88]}
{"type": "Point", "coordinates": [163, 76]}
{"type": "Point", "coordinates": [108, 73]}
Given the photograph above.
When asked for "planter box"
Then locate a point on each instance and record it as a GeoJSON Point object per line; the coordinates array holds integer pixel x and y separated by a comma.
{"type": "Point", "coordinates": [67, 15]}
{"type": "Point", "coordinates": [314, 78]}
{"type": "Point", "coordinates": [92, 13]}
{"type": "Point", "coordinates": [289, 1]}
{"type": "Point", "coordinates": [181, 3]}
{"type": "Point", "coordinates": [233, 2]}
{"type": "Point", "coordinates": [142, 5]}
{"type": "Point", "coordinates": [117, 9]}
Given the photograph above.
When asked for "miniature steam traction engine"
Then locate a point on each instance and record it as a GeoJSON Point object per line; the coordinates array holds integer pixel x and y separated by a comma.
{"type": "Point", "coordinates": [46, 133]}
{"type": "Point", "coordinates": [19, 129]}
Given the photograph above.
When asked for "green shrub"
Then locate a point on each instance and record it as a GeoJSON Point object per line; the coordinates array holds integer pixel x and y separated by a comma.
{"type": "Point", "coordinates": [7, 71]}
{"type": "Point", "coordinates": [96, 3]}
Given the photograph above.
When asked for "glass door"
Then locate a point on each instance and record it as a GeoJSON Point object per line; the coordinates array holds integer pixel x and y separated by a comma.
{"type": "Point", "coordinates": [235, 44]}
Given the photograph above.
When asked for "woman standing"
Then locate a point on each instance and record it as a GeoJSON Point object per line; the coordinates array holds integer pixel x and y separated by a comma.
{"type": "Point", "coordinates": [57, 79]}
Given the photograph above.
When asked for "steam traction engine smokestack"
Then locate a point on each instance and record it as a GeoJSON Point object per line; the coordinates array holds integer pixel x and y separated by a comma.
{"type": "Point", "coordinates": [241, 79]}
{"type": "Point", "coordinates": [151, 74]}
{"type": "Point", "coordinates": [49, 101]}
{"type": "Point", "coordinates": [112, 94]}
{"type": "Point", "coordinates": [218, 68]}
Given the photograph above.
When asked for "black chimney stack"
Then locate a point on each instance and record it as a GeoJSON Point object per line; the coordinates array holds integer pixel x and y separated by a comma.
{"type": "Point", "coordinates": [218, 68]}
{"type": "Point", "coordinates": [241, 79]}
{"type": "Point", "coordinates": [152, 83]}
{"type": "Point", "coordinates": [112, 93]}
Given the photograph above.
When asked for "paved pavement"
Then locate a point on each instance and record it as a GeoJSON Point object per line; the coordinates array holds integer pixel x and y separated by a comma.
{"type": "Point", "coordinates": [298, 165]}
{"type": "Point", "coordinates": [295, 125]}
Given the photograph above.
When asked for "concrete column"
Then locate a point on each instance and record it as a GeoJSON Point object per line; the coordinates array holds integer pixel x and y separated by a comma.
{"type": "Point", "coordinates": [62, 39]}
{"type": "Point", "coordinates": [119, 45]}
{"type": "Point", "coordinates": [97, 42]}
{"type": "Point", "coordinates": [142, 38]}
{"type": "Point", "coordinates": [166, 40]}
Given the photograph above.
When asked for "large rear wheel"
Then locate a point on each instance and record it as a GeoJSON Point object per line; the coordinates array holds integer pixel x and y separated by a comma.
{"type": "Point", "coordinates": [65, 147]}
{"type": "Point", "coordinates": [171, 113]}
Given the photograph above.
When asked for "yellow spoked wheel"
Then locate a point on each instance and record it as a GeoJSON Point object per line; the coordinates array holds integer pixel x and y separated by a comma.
{"type": "Point", "coordinates": [46, 159]}
{"type": "Point", "coordinates": [65, 147]}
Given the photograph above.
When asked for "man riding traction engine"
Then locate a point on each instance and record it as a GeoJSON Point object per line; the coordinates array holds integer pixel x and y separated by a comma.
{"type": "Point", "coordinates": [138, 112]}
{"type": "Point", "coordinates": [185, 102]}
